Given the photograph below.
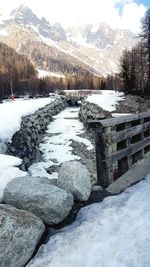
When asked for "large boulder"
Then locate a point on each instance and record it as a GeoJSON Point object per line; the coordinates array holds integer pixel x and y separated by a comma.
{"type": "Point", "coordinates": [20, 232]}
{"type": "Point", "coordinates": [74, 177]}
{"type": "Point", "coordinates": [39, 196]}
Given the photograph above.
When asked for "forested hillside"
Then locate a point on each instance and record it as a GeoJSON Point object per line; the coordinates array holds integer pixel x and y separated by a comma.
{"type": "Point", "coordinates": [15, 70]}
{"type": "Point", "coordinates": [135, 63]}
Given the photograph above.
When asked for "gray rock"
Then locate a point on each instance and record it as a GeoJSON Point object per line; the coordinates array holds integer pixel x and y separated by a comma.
{"type": "Point", "coordinates": [74, 177]}
{"type": "Point", "coordinates": [39, 196]}
{"type": "Point", "coordinates": [3, 148]}
{"type": "Point", "coordinates": [20, 232]}
{"type": "Point", "coordinates": [90, 111]}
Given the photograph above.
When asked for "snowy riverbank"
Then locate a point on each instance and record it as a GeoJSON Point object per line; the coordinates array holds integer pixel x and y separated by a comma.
{"type": "Point", "coordinates": [112, 233]}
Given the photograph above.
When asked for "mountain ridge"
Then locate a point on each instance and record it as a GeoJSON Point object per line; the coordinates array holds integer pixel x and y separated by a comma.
{"type": "Point", "coordinates": [86, 49]}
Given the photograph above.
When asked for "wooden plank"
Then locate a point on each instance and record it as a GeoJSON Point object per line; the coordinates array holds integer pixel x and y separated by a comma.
{"type": "Point", "coordinates": [132, 149]}
{"type": "Point", "coordinates": [125, 163]}
{"type": "Point", "coordinates": [103, 165]}
{"type": "Point", "coordinates": [142, 136]}
{"type": "Point", "coordinates": [129, 133]}
{"type": "Point", "coordinates": [108, 153]}
{"type": "Point", "coordinates": [120, 120]}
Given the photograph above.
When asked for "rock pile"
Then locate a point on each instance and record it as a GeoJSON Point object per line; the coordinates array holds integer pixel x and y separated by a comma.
{"type": "Point", "coordinates": [28, 197]}
{"type": "Point", "coordinates": [90, 111]}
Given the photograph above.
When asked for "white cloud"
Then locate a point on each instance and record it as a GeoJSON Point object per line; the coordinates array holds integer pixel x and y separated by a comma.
{"type": "Point", "coordinates": [117, 13]}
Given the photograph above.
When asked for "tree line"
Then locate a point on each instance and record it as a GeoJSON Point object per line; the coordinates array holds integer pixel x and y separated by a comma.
{"type": "Point", "coordinates": [18, 77]}
{"type": "Point", "coordinates": [135, 64]}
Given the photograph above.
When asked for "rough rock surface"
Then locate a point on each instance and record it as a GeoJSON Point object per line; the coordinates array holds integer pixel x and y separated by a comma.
{"type": "Point", "coordinates": [20, 232]}
{"type": "Point", "coordinates": [3, 148]}
{"type": "Point", "coordinates": [39, 196]}
{"type": "Point", "coordinates": [87, 157]}
{"type": "Point", "coordinates": [132, 104]}
{"type": "Point", "coordinates": [75, 178]}
{"type": "Point", "coordinates": [90, 111]}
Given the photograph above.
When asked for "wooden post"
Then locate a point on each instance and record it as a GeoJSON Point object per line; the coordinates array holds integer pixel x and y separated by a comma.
{"type": "Point", "coordinates": [142, 137]}
{"type": "Point", "coordinates": [103, 159]}
{"type": "Point", "coordinates": [125, 163]}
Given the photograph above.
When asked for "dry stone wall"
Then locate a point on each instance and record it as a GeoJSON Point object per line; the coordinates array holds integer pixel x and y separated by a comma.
{"type": "Point", "coordinates": [90, 111]}
{"type": "Point", "coordinates": [25, 142]}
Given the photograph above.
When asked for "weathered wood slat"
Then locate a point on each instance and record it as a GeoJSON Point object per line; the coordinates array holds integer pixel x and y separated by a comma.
{"type": "Point", "coordinates": [132, 149]}
{"type": "Point", "coordinates": [129, 133]}
{"type": "Point", "coordinates": [120, 120]}
{"type": "Point", "coordinates": [103, 166]}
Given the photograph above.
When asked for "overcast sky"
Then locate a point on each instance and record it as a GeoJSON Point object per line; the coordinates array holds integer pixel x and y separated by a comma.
{"type": "Point", "coordinates": [117, 13]}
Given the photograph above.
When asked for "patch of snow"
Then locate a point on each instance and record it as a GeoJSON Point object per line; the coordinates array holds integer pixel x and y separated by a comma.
{"type": "Point", "coordinates": [44, 73]}
{"type": "Point", "coordinates": [56, 146]}
{"type": "Point", "coordinates": [112, 233]}
{"type": "Point", "coordinates": [52, 43]}
{"type": "Point", "coordinates": [11, 113]}
{"type": "Point", "coordinates": [3, 32]}
{"type": "Point", "coordinates": [106, 100]}
{"type": "Point", "coordinates": [120, 114]}
{"type": "Point", "coordinates": [8, 171]}
{"type": "Point", "coordinates": [63, 129]}
{"type": "Point", "coordinates": [39, 169]}
{"type": "Point", "coordinates": [34, 28]}
{"type": "Point", "coordinates": [95, 28]}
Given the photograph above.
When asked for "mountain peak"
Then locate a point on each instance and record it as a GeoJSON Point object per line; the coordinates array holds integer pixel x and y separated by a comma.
{"type": "Point", "coordinates": [24, 15]}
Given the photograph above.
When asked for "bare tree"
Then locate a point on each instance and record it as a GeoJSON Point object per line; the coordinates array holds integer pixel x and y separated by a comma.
{"type": "Point", "coordinates": [146, 40]}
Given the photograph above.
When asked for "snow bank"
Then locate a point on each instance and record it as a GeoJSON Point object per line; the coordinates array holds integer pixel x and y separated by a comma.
{"type": "Point", "coordinates": [112, 233]}
{"type": "Point", "coordinates": [106, 100]}
{"type": "Point", "coordinates": [8, 171]}
{"type": "Point", "coordinates": [11, 113]}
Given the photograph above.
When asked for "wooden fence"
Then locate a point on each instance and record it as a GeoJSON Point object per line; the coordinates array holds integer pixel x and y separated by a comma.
{"type": "Point", "coordinates": [120, 142]}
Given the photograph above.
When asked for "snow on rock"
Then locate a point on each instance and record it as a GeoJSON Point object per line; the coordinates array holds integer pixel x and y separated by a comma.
{"type": "Point", "coordinates": [8, 171]}
{"type": "Point", "coordinates": [39, 196]}
{"type": "Point", "coordinates": [106, 100]}
{"type": "Point", "coordinates": [19, 235]}
{"type": "Point", "coordinates": [3, 32]}
{"type": "Point", "coordinates": [112, 233]}
{"type": "Point", "coordinates": [11, 113]}
{"type": "Point", "coordinates": [39, 170]}
{"type": "Point", "coordinates": [75, 178]}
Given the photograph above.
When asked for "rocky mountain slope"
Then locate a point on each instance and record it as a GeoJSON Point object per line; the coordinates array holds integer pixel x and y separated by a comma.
{"type": "Point", "coordinates": [94, 49]}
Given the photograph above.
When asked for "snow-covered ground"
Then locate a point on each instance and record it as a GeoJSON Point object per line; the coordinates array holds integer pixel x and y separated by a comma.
{"type": "Point", "coordinates": [12, 111]}
{"type": "Point", "coordinates": [113, 233]}
{"type": "Point", "coordinates": [3, 32]}
{"type": "Point", "coordinates": [9, 170]}
{"type": "Point", "coordinates": [44, 73]}
{"type": "Point", "coordinates": [56, 146]}
{"type": "Point", "coordinates": [10, 119]}
{"type": "Point", "coordinates": [106, 100]}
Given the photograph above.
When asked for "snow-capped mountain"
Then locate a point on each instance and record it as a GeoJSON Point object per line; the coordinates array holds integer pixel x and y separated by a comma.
{"type": "Point", "coordinates": [92, 48]}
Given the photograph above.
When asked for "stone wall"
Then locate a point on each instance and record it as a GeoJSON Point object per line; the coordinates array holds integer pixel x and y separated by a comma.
{"type": "Point", "coordinates": [25, 142]}
{"type": "Point", "coordinates": [90, 111]}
